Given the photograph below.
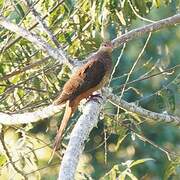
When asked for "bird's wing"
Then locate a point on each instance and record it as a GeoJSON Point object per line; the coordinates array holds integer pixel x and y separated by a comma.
{"type": "Point", "coordinates": [87, 77]}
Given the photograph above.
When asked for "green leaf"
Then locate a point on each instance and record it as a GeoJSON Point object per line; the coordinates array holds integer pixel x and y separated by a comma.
{"type": "Point", "coordinates": [36, 82]}
{"type": "Point", "coordinates": [15, 79]}
{"type": "Point", "coordinates": [157, 3]}
{"type": "Point", "coordinates": [1, 69]}
{"type": "Point", "coordinates": [20, 10]}
{"type": "Point", "coordinates": [2, 159]}
{"type": "Point", "coordinates": [171, 168]}
{"type": "Point", "coordinates": [69, 4]}
{"type": "Point", "coordinates": [122, 176]}
{"type": "Point", "coordinates": [1, 3]}
{"type": "Point", "coordinates": [120, 141]}
{"type": "Point", "coordinates": [149, 5]}
{"type": "Point", "coordinates": [139, 161]}
{"type": "Point", "coordinates": [159, 103]}
{"type": "Point", "coordinates": [17, 14]}
{"type": "Point", "coordinates": [176, 82]}
{"type": "Point", "coordinates": [20, 92]}
{"type": "Point", "coordinates": [114, 172]}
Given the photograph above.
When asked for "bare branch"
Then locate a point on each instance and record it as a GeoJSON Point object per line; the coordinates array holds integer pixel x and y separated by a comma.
{"type": "Point", "coordinates": [29, 117]}
{"type": "Point", "coordinates": [134, 65]}
{"type": "Point", "coordinates": [132, 108]}
{"type": "Point", "coordinates": [79, 135]}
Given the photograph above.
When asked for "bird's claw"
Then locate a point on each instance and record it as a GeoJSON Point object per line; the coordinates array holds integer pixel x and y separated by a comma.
{"type": "Point", "coordinates": [94, 98]}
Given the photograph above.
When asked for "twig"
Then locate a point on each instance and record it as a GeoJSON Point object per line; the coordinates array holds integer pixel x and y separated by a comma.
{"type": "Point", "coordinates": [117, 41]}
{"type": "Point", "coordinates": [150, 76]}
{"type": "Point", "coordinates": [145, 139]}
{"type": "Point", "coordinates": [140, 17]}
{"type": "Point", "coordinates": [134, 65]}
{"type": "Point", "coordinates": [142, 78]}
{"type": "Point", "coordinates": [89, 118]}
{"type": "Point", "coordinates": [47, 30]}
{"type": "Point", "coordinates": [49, 165]}
{"type": "Point", "coordinates": [117, 63]}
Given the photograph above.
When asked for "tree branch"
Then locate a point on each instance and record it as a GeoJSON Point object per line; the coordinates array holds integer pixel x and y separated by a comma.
{"type": "Point", "coordinates": [79, 135]}
{"type": "Point", "coordinates": [11, 119]}
{"type": "Point", "coordinates": [29, 117]}
{"type": "Point", "coordinates": [173, 20]}
{"type": "Point", "coordinates": [88, 120]}
{"type": "Point", "coordinates": [133, 108]}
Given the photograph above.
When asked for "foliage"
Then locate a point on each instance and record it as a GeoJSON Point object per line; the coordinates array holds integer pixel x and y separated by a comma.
{"type": "Point", "coordinates": [123, 170]}
{"type": "Point", "coordinates": [80, 27]}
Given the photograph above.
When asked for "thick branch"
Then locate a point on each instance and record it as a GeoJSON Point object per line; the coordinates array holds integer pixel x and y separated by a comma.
{"type": "Point", "coordinates": [57, 54]}
{"type": "Point", "coordinates": [79, 135]}
{"type": "Point", "coordinates": [29, 117]}
{"type": "Point", "coordinates": [132, 108]}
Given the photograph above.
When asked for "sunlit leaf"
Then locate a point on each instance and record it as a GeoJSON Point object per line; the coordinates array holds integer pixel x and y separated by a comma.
{"type": "Point", "coordinates": [157, 3]}
{"type": "Point", "coordinates": [139, 161]}
{"type": "Point", "coordinates": [121, 17]}
{"type": "Point", "coordinates": [19, 9]}
{"type": "Point", "coordinates": [120, 141]}
{"type": "Point", "coordinates": [2, 159]}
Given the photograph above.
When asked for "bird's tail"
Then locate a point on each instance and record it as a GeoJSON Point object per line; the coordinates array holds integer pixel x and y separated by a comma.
{"type": "Point", "coordinates": [67, 114]}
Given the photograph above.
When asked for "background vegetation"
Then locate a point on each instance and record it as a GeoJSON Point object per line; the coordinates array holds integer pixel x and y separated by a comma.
{"type": "Point", "coordinates": [123, 144]}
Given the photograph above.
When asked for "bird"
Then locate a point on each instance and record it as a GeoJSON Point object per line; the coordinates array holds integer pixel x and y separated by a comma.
{"type": "Point", "coordinates": [88, 78]}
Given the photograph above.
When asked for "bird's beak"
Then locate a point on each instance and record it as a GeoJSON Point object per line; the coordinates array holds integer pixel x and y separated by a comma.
{"type": "Point", "coordinates": [111, 46]}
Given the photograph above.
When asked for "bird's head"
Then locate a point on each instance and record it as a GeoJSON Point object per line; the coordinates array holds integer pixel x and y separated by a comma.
{"type": "Point", "coordinates": [106, 46]}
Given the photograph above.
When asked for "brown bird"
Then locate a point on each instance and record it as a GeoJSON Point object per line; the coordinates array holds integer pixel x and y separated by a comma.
{"type": "Point", "coordinates": [88, 78]}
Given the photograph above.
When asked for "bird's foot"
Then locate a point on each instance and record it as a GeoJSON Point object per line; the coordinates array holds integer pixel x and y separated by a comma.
{"type": "Point", "coordinates": [94, 97]}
